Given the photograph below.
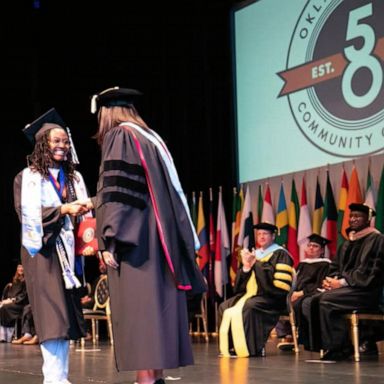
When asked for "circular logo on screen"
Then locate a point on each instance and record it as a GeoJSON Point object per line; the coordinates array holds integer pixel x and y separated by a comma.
{"type": "Point", "coordinates": [334, 79]}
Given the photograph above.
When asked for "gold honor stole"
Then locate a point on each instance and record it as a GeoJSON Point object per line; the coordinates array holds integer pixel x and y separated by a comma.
{"type": "Point", "coordinates": [233, 317]}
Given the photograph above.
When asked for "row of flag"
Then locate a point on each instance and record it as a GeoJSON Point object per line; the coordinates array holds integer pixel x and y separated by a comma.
{"type": "Point", "coordinates": [219, 254]}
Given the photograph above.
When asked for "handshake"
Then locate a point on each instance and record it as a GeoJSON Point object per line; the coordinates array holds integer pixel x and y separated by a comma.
{"type": "Point", "coordinates": [77, 207]}
{"type": "Point", "coordinates": [87, 203]}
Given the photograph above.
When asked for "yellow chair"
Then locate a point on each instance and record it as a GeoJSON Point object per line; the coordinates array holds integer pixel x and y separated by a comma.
{"type": "Point", "coordinates": [101, 310]}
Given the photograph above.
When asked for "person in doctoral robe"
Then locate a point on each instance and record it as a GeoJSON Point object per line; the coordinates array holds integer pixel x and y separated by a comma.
{"type": "Point", "coordinates": [148, 240]}
{"type": "Point", "coordinates": [354, 282]}
{"type": "Point", "coordinates": [261, 288]}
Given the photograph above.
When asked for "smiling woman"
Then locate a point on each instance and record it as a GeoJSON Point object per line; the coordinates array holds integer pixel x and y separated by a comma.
{"type": "Point", "coordinates": [58, 145]}
{"type": "Point", "coordinates": [46, 194]}
{"type": "Point", "coordinates": [57, 141]}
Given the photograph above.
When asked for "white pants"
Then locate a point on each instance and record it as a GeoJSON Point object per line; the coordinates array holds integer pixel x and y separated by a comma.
{"type": "Point", "coordinates": [55, 361]}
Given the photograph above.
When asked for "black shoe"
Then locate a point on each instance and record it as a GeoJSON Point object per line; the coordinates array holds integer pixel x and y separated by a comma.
{"type": "Point", "coordinates": [368, 348]}
{"type": "Point", "coordinates": [337, 355]}
{"type": "Point", "coordinates": [328, 356]}
{"type": "Point", "coordinates": [159, 381]}
{"type": "Point", "coordinates": [260, 353]}
{"type": "Point", "coordinates": [285, 346]}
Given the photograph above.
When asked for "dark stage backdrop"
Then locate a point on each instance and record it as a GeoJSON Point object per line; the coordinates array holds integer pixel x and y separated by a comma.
{"type": "Point", "coordinates": [58, 53]}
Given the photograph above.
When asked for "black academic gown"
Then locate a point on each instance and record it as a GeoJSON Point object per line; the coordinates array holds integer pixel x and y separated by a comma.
{"type": "Point", "coordinates": [361, 264]}
{"type": "Point", "coordinates": [261, 312]}
{"type": "Point", "coordinates": [149, 312]}
{"type": "Point", "coordinates": [310, 275]}
{"type": "Point", "coordinates": [57, 311]}
{"type": "Point", "coordinates": [9, 313]}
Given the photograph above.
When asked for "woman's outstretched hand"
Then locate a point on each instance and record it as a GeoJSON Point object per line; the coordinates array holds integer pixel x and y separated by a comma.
{"type": "Point", "coordinates": [110, 260]}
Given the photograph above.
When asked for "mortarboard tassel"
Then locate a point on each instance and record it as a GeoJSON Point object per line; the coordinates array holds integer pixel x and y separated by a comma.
{"type": "Point", "coordinates": [75, 159]}
{"type": "Point", "coordinates": [93, 104]}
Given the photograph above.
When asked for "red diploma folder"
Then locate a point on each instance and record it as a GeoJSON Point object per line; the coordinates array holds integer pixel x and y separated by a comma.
{"type": "Point", "coordinates": [85, 235]}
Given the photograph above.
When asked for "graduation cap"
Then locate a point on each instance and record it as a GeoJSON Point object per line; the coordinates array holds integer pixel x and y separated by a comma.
{"type": "Point", "coordinates": [266, 226]}
{"type": "Point", "coordinates": [47, 121]}
{"type": "Point", "coordinates": [370, 212]}
{"type": "Point", "coordinates": [315, 238]}
{"type": "Point", "coordinates": [114, 97]}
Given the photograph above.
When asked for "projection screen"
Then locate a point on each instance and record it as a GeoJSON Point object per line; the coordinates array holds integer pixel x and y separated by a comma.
{"type": "Point", "coordinates": [308, 83]}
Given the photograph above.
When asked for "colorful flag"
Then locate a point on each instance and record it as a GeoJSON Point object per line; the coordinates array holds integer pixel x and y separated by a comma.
{"type": "Point", "coordinates": [329, 226]}
{"type": "Point", "coordinates": [237, 204]}
{"type": "Point", "coordinates": [293, 218]}
{"type": "Point", "coordinates": [203, 252]}
{"type": "Point", "coordinates": [268, 215]}
{"type": "Point", "coordinates": [341, 208]}
{"type": "Point", "coordinates": [370, 196]}
{"type": "Point", "coordinates": [318, 210]}
{"type": "Point", "coordinates": [282, 219]}
{"type": "Point", "coordinates": [304, 228]}
{"type": "Point", "coordinates": [223, 248]}
{"type": "Point", "coordinates": [379, 224]}
{"type": "Point", "coordinates": [354, 196]}
{"type": "Point", "coordinates": [246, 235]}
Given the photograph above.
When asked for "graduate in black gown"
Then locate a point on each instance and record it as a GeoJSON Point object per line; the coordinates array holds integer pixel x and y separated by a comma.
{"type": "Point", "coordinates": [45, 195]}
{"type": "Point", "coordinates": [147, 238]}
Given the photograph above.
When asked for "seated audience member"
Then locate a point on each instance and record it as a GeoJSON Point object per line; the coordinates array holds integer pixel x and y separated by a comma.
{"type": "Point", "coordinates": [28, 331]}
{"type": "Point", "coordinates": [309, 278]}
{"type": "Point", "coordinates": [262, 285]}
{"type": "Point", "coordinates": [14, 299]}
{"type": "Point", "coordinates": [354, 282]}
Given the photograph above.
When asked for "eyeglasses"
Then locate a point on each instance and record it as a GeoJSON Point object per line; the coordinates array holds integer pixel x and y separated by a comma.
{"type": "Point", "coordinates": [58, 141]}
{"type": "Point", "coordinates": [313, 245]}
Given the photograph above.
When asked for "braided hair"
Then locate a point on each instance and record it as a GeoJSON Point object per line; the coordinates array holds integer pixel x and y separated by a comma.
{"type": "Point", "coordinates": [41, 158]}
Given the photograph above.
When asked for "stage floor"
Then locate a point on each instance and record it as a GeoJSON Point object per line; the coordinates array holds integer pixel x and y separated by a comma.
{"type": "Point", "coordinates": [21, 364]}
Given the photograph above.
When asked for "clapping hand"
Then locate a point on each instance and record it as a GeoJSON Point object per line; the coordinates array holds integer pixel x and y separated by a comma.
{"type": "Point", "coordinates": [248, 258]}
